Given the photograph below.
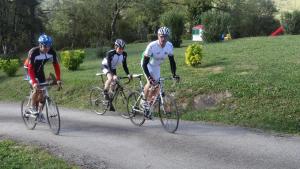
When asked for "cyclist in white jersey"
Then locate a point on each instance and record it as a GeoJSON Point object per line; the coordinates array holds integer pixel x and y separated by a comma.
{"type": "Point", "coordinates": [154, 55]}
{"type": "Point", "coordinates": [110, 63]}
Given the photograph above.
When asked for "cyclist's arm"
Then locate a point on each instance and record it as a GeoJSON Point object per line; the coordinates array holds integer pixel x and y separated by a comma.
{"type": "Point", "coordinates": [31, 67]}
{"type": "Point", "coordinates": [109, 57]}
{"type": "Point", "coordinates": [125, 67]}
{"type": "Point", "coordinates": [172, 64]}
{"type": "Point", "coordinates": [145, 68]}
{"type": "Point", "coordinates": [56, 66]}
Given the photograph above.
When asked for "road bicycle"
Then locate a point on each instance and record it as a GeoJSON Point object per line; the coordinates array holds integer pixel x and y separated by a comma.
{"type": "Point", "coordinates": [51, 114]}
{"type": "Point", "coordinates": [162, 105]}
{"type": "Point", "coordinates": [117, 100]}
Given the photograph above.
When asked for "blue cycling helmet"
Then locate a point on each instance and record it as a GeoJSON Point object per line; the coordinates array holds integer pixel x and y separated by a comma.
{"type": "Point", "coordinates": [45, 40]}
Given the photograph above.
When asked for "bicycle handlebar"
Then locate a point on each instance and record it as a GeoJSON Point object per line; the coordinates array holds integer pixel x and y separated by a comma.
{"type": "Point", "coordinates": [49, 83]}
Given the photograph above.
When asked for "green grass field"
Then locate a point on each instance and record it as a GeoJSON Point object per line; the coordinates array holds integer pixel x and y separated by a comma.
{"type": "Point", "coordinates": [13, 155]}
{"type": "Point", "coordinates": [251, 82]}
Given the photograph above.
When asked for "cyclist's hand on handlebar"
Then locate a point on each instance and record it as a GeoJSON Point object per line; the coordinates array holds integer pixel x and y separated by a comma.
{"type": "Point", "coordinates": [59, 83]}
{"type": "Point", "coordinates": [35, 86]}
{"type": "Point", "coordinates": [151, 80]}
{"type": "Point", "coordinates": [176, 77]}
{"type": "Point", "coordinates": [129, 76]}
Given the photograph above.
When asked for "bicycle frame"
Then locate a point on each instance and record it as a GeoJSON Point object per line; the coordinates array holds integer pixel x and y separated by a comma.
{"type": "Point", "coordinates": [51, 110]}
{"type": "Point", "coordinates": [167, 109]}
{"type": "Point", "coordinates": [116, 94]}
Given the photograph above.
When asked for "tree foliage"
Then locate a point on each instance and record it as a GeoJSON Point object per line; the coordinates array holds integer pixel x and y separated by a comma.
{"type": "Point", "coordinates": [291, 22]}
{"type": "Point", "coordinates": [19, 21]}
{"type": "Point", "coordinates": [175, 21]}
{"type": "Point", "coordinates": [215, 24]}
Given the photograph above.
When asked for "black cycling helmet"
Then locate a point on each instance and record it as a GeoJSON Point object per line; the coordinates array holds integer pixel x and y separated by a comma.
{"type": "Point", "coordinates": [120, 43]}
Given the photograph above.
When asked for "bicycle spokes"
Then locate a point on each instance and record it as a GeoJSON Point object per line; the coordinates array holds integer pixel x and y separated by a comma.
{"type": "Point", "coordinates": [53, 116]}
{"type": "Point", "coordinates": [169, 114]}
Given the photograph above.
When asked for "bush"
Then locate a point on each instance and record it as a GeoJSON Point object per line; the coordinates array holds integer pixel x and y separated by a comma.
{"type": "Point", "coordinates": [215, 24]}
{"type": "Point", "coordinates": [101, 51]}
{"type": "Point", "coordinates": [10, 66]}
{"type": "Point", "coordinates": [71, 59]}
{"type": "Point", "coordinates": [291, 22]}
{"type": "Point", "coordinates": [151, 37]}
{"type": "Point", "coordinates": [253, 18]}
{"type": "Point", "coordinates": [175, 21]}
{"type": "Point", "coordinates": [193, 55]}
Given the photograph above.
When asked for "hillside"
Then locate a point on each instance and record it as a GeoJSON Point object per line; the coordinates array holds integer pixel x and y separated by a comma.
{"type": "Point", "coordinates": [251, 82]}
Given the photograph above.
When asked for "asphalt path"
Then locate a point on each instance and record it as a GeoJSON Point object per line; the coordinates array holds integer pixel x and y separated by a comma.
{"type": "Point", "coordinates": [110, 141]}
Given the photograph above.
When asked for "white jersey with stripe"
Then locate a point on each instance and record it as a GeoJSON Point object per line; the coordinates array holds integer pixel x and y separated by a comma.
{"type": "Point", "coordinates": [158, 54]}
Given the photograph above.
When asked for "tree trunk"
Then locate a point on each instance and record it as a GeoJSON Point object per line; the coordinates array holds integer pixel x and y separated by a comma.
{"type": "Point", "coordinates": [117, 8]}
{"type": "Point", "coordinates": [4, 48]}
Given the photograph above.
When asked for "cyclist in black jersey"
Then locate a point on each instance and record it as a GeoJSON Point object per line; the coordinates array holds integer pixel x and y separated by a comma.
{"type": "Point", "coordinates": [37, 57]}
{"type": "Point", "coordinates": [110, 63]}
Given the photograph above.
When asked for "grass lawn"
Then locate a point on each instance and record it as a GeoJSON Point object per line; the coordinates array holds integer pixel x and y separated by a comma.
{"type": "Point", "coordinates": [252, 82]}
{"type": "Point", "coordinates": [13, 155]}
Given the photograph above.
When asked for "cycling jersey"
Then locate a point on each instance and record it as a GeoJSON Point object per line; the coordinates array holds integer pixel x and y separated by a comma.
{"type": "Point", "coordinates": [36, 64]}
{"type": "Point", "coordinates": [112, 60]}
{"type": "Point", "coordinates": [157, 55]}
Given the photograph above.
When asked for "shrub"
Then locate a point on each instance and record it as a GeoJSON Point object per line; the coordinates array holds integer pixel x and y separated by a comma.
{"type": "Point", "coordinates": [175, 21]}
{"type": "Point", "coordinates": [101, 51]}
{"type": "Point", "coordinates": [151, 37]}
{"type": "Point", "coordinates": [10, 66]}
{"type": "Point", "coordinates": [193, 55]}
{"type": "Point", "coordinates": [215, 24]}
{"type": "Point", "coordinates": [291, 22]}
{"type": "Point", "coordinates": [253, 18]}
{"type": "Point", "coordinates": [71, 59]}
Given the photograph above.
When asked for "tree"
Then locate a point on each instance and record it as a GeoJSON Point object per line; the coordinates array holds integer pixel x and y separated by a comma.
{"type": "Point", "coordinates": [19, 20]}
{"type": "Point", "coordinates": [175, 21]}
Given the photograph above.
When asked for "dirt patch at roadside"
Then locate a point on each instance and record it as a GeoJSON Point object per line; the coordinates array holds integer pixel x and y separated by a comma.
{"type": "Point", "coordinates": [215, 69]}
{"type": "Point", "coordinates": [209, 101]}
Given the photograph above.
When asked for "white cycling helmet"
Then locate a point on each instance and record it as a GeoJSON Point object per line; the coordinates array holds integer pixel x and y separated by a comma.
{"type": "Point", "coordinates": [163, 31]}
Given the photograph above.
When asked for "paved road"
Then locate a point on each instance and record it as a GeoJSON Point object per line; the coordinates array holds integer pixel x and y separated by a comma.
{"type": "Point", "coordinates": [94, 141]}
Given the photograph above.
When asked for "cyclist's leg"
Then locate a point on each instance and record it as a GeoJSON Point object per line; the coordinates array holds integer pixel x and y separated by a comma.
{"type": "Point", "coordinates": [114, 81]}
{"type": "Point", "coordinates": [108, 81]}
{"type": "Point", "coordinates": [155, 73]}
{"type": "Point", "coordinates": [107, 84]}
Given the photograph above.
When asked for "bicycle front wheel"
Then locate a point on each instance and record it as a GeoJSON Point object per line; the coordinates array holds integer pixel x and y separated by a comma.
{"type": "Point", "coordinates": [120, 104]}
{"type": "Point", "coordinates": [135, 110]}
{"type": "Point", "coordinates": [53, 116]}
{"type": "Point", "coordinates": [168, 113]}
{"type": "Point", "coordinates": [29, 119]}
{"type": "Point", "coordinates": [98, 103]}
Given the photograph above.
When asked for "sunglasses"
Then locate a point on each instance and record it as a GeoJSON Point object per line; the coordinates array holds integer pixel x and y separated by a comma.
{"type": "Point", "coordinates": [163, 36]}
{"type": "Point", "coordinates": [45, 46]}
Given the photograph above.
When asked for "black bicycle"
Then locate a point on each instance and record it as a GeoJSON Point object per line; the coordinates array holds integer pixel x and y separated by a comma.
{"type": "Point", "coordinates": [117, 99]}
{"type": "Point", "coordinates": [162, 105]}
{"type": "Point", "coordinates": [52, 117]}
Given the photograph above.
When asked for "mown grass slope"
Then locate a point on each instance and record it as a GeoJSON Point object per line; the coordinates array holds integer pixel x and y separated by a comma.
{"type": "Point", "coordinates": [252, 82]}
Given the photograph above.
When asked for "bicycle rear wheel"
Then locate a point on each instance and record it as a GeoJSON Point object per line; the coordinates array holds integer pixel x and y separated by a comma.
{"type": "Point", "coordinates": [135, 110]}
{"type": "Point", "coordinates": [168, 113]}
{"type": "Point", "coordinates": [29, 119]}
{"type": "Point", "coordinates": [98, 103]}
{"type": "Point", "coordinates": [120, 104]}
{"type": "Point", "coordinates": [53, 116]}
